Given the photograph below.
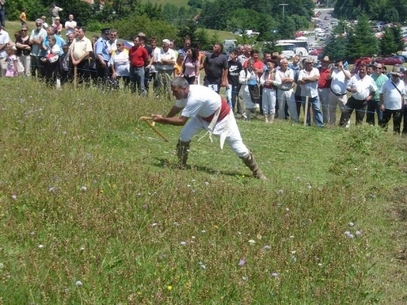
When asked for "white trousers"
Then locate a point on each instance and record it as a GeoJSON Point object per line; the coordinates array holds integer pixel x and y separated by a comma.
{"type": "Point", "coordinates": [283, 98]}
{"type": "Point", "coordinates": [334, 102]}
{"type": "Point", "coordinates": [269, 101]}
{"type": "Point", "coordinates": [227, 125]}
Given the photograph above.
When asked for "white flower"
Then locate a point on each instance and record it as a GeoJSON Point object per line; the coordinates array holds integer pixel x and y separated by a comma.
{"type": "Point", "coordinates": [351, 224]}
{"type": "Point", "coordinates": [78, 283]}
{"type": "Point", "coordinates": [14, 197]}
{"type": "Point", "coordinates": [267, 247]}
{"type": "Point", "coordinates": [358, 233]}
{"type": "Point", "coordinates": [274, 274]}
{"type": "Point", "coordinates": [84, 188]}
{"type": "Point", "coordinates": [252, 241]}
{"type": "Point", "coordinates": [206, 183]}
{"type": "Point", "coordinates": [280, 192]}
{"type": "Point", "coordinates": [1, 265]}
{"type": "Point", "coordinates": [183, 243]}
{"type": "Point", "coordinates": [154, 224]}
{"type": "Point", "coordinates": [40, 246]}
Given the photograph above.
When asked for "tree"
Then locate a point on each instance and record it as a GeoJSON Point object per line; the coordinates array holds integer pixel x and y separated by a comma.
{"type": "Point", "coordinates": [362, 41]}
{"type": "Point", "coordinates": [391, 41]}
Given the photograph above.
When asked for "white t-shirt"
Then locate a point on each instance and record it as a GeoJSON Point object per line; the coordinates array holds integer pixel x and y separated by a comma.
{"type": "Point", "coordinates": [339, 82]}
{"type": "Point", "coordinates": [309, 89]}
{"type": "Point", "coordinates": [285, 74]}
{"type": "Point", "coordinates": [363, 86]}
{"type": "Point", "coordinates": [70, 26]}
{"type": "Point", "coordinates": [121, 63]}
{"type": "Point", "coordinates": [201, 101]}
{"type": "Point", "coordinates": [4, 39]}
{"type": "Point", "coordinates": [391, 96]}
{"type": "Point", "coordinates": [169, 55]}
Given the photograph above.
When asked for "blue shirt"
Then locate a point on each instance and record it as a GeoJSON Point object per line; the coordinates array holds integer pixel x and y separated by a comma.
{"type": "Point", "coordinates": [101, 48]}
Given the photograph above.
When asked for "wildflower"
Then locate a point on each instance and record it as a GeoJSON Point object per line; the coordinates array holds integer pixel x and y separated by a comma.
{"type": "Point", "coordinates": [216, 227]}
{"type": "Point", "coordinates": [251, 241]}
{"type": "Point", "coordinates": [259, 236]}
{"type": "Point", "coordinates": [244, 278]}
{"type": "Point", "coordinates": [14, 197]}
{"type": "Point", "coordinates": [154, 224]}
{"type": "Point", "coordinates": [281, 192]}
{"type": "Point", "coordinates": [358, 233]}
{"type": "Point", "coordinates": [84, 188]}
{"type": "Point", "coordinates": [203, 231]}
{"type": "Point", "coordinates": [267, 247]}
{"type": "Point", "coordinates": [183, 243]}
{"type": "Point", "coordinates": [169, 288]}
{"type": "Point", "coordinates": [52, 189]}
{"type": "Point", "coordinates": [40, 246]}
{"type": "Point", "coordinates": [78, 283]}
{"type": "Point", "coordinates": [206, 183]}
{"type": "Point", "coordinates": [274, 274]}
{"type": "Point", "coordinates": [82, 249]}
{"type": "Point", "coordinates": [242, 262]}
{"type": "Point", "coordinates": [138, 194]}
{"type": "Point", "coordinates": [351, 224]}
{"type": "Point", "coordinates": [1, 265]}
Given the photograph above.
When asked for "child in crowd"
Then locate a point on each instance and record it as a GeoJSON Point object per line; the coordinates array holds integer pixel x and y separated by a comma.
{"type": "Point", "coordinates": [178, 66]}
{"type": "Point", "coordinates": [12, 62]}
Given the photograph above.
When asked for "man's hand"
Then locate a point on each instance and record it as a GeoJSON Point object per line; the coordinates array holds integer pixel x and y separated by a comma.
{"type": "Point", "coordinates": [157, 117]}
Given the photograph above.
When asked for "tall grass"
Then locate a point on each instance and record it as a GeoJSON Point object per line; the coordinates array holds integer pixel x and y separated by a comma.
{"type": "Point", "coordinates": [94, 211]}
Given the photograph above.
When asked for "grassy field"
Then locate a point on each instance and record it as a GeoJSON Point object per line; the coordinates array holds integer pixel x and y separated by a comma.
{"type": "Point", "coordinates": [94, 211]}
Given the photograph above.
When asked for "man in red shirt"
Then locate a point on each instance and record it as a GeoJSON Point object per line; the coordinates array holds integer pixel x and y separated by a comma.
{"type": "Point", "coordinates": [138, 56]}
{"type": "Point", "coordinates": [324, 85]}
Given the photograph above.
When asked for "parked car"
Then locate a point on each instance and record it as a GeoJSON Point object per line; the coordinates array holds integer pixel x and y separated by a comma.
{"type": "Point", "coordinates": [316, 52]}
{"type": "Point", "coordinates": [391, 60]}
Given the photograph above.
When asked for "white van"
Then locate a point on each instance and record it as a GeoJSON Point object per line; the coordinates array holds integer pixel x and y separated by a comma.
{"type": "Point", "coordinates": [229, 44]}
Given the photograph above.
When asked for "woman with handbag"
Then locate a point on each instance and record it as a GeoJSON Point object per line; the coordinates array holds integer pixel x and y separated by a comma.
{"type": "Point", "coordinates": [249, 80]}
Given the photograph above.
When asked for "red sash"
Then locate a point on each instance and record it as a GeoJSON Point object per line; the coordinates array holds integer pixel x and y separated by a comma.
{"type": "Point", "coordinates": [224, 111]}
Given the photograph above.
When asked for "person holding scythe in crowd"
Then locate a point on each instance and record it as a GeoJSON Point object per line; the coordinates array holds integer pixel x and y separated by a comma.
{"type": "Point", "coordinates": [208, 111]}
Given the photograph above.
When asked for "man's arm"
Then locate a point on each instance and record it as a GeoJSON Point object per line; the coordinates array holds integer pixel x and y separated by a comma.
{"type": "Point", "coordinates": [171, 117]}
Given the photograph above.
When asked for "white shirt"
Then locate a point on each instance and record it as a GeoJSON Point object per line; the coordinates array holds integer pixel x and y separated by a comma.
{"type": "Point", "coordinates": [391, 96]}
{"type": "Point", "coordinates": [309, 89]}
{"type": "Point", "coordinates": [121, 63]}
{"type": "Point", "coordinates": [339, 82]}
{"type": "Point", "coordinates": [201, 101]}
{"type": "Point", "coordinates": [4, 39]}
{"type": "Point", "coordinates": [70, 26]}
{"type": "Point", "coordinates": [285, 74]}
{"type": "Point", "coordinates": [364, 86]}
{"type": "Point", "coordinates": [169, 55]}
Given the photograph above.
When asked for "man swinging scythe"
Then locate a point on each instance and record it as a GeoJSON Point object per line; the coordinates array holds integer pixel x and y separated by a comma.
{"type": "Point", "coordinates": [207, 111]}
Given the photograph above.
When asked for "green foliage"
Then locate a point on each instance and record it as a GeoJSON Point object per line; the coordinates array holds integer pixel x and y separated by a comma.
{"type": "Point", "coordinates": [157, 28]}
{"type": "Point", "coordinates": [187, 30]}
{"type": "Point", "coordinates": [391, 41]}
{"type": "Point", "coordinates": [202, 36]}
{"type": "Point", "coordinates": [362, 41]}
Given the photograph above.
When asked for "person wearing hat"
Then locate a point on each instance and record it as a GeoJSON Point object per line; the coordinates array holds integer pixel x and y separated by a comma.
{"type": "Point", "coordinates": [102, 56]}
{"type": "Point", "coordinates": [374, 104]}
{"type": "Point", "coordinates": [324, 85]}
{"type": "Point", "coordinates": [339, 77]}
{"type": "Point", "coordinates": [362, 89]}
{"type": "Point", "coordinates": [308, 80]}
{"type": "Point", "coordinates": [55, 12]}
{"type": "Point", "coordinates": [57, 25]}
{"type": "Point", "coordinates": [392, 99]}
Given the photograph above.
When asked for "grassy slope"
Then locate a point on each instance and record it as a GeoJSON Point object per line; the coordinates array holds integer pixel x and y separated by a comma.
{"type": "Point", "coordinates": [123, 236]}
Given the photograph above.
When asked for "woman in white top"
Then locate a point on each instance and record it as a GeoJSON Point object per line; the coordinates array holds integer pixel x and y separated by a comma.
{"type": "Point", "coordinates": [120, 64]}
{"type": "Point", "coordinates": [248, 77]}
{"type": "Point", "coordinates": [51, 61]}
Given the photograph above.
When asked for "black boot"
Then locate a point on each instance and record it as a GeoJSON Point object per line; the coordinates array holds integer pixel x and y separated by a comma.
{"type": "Point", "coordinates": [251, 163]}
{"type": "Point", "coordinates": [182, 153]}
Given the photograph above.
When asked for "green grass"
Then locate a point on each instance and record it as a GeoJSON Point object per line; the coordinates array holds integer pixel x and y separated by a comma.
{"type": "Point", "coordinates": [94, 211]}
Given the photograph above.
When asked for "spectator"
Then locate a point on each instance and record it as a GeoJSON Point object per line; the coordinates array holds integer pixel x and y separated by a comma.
{"type": "Point", "coordinates": [178, 66]}
{"type": "Point", "coordinates": [120, 64]}
{"type": "Point", "coordinates": [80, 50]}
{"type": "Point", "coordinates": [70, 25]}
{"type": "Point", "coordinates": [234, 68]}
{"type": "Point", "coordinates": [23, 47]}
{"type": "Point", "coordinates": [38, 35]}
{"type": "Point", "coordinates": [362, 88]}
{"type": "Point", "coordinates": [57, 25]}
{"type": "Point", "coordinates": [308, 80]}
{"type": "Point", "coordinates": [373, 105]}
{"type": "Point", "coordinates": [216, 69]}
{"type": "Point", "coordinates": [248, 77]}
{"type": "Point", "coordinates": [23, 17]}
{"type": "Point", "coordinates": [190, 66]}
{"type": "Point", "coordinates": [138, 56]}
{"type": "Point", "coordinates": [55, 12]}
{"type": "Point", "coordinates": [324, 85]}
{"type": "Point", "coordinates": [51, 60]}
{"type": "Point", "coordinates": [392, 100]}
{"type": "Point", "coordinates": [337, 97]}
{"type": "Point", "coordinates": [268, 80]}
{"type": "Point", "coordinates": [3, 13]}
{"type": "Point", "coordinates": [11, 62]}
{"type": "Point", "coordinates": [165, 66]}
{"type": "Point", "coordinates": [44, 22]}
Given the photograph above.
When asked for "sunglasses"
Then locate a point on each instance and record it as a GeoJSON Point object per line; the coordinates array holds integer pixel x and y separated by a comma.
{"type": "Point", "coordinates": [23, 30]}
{"type": "Point", "coordinates": [119, 45]}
